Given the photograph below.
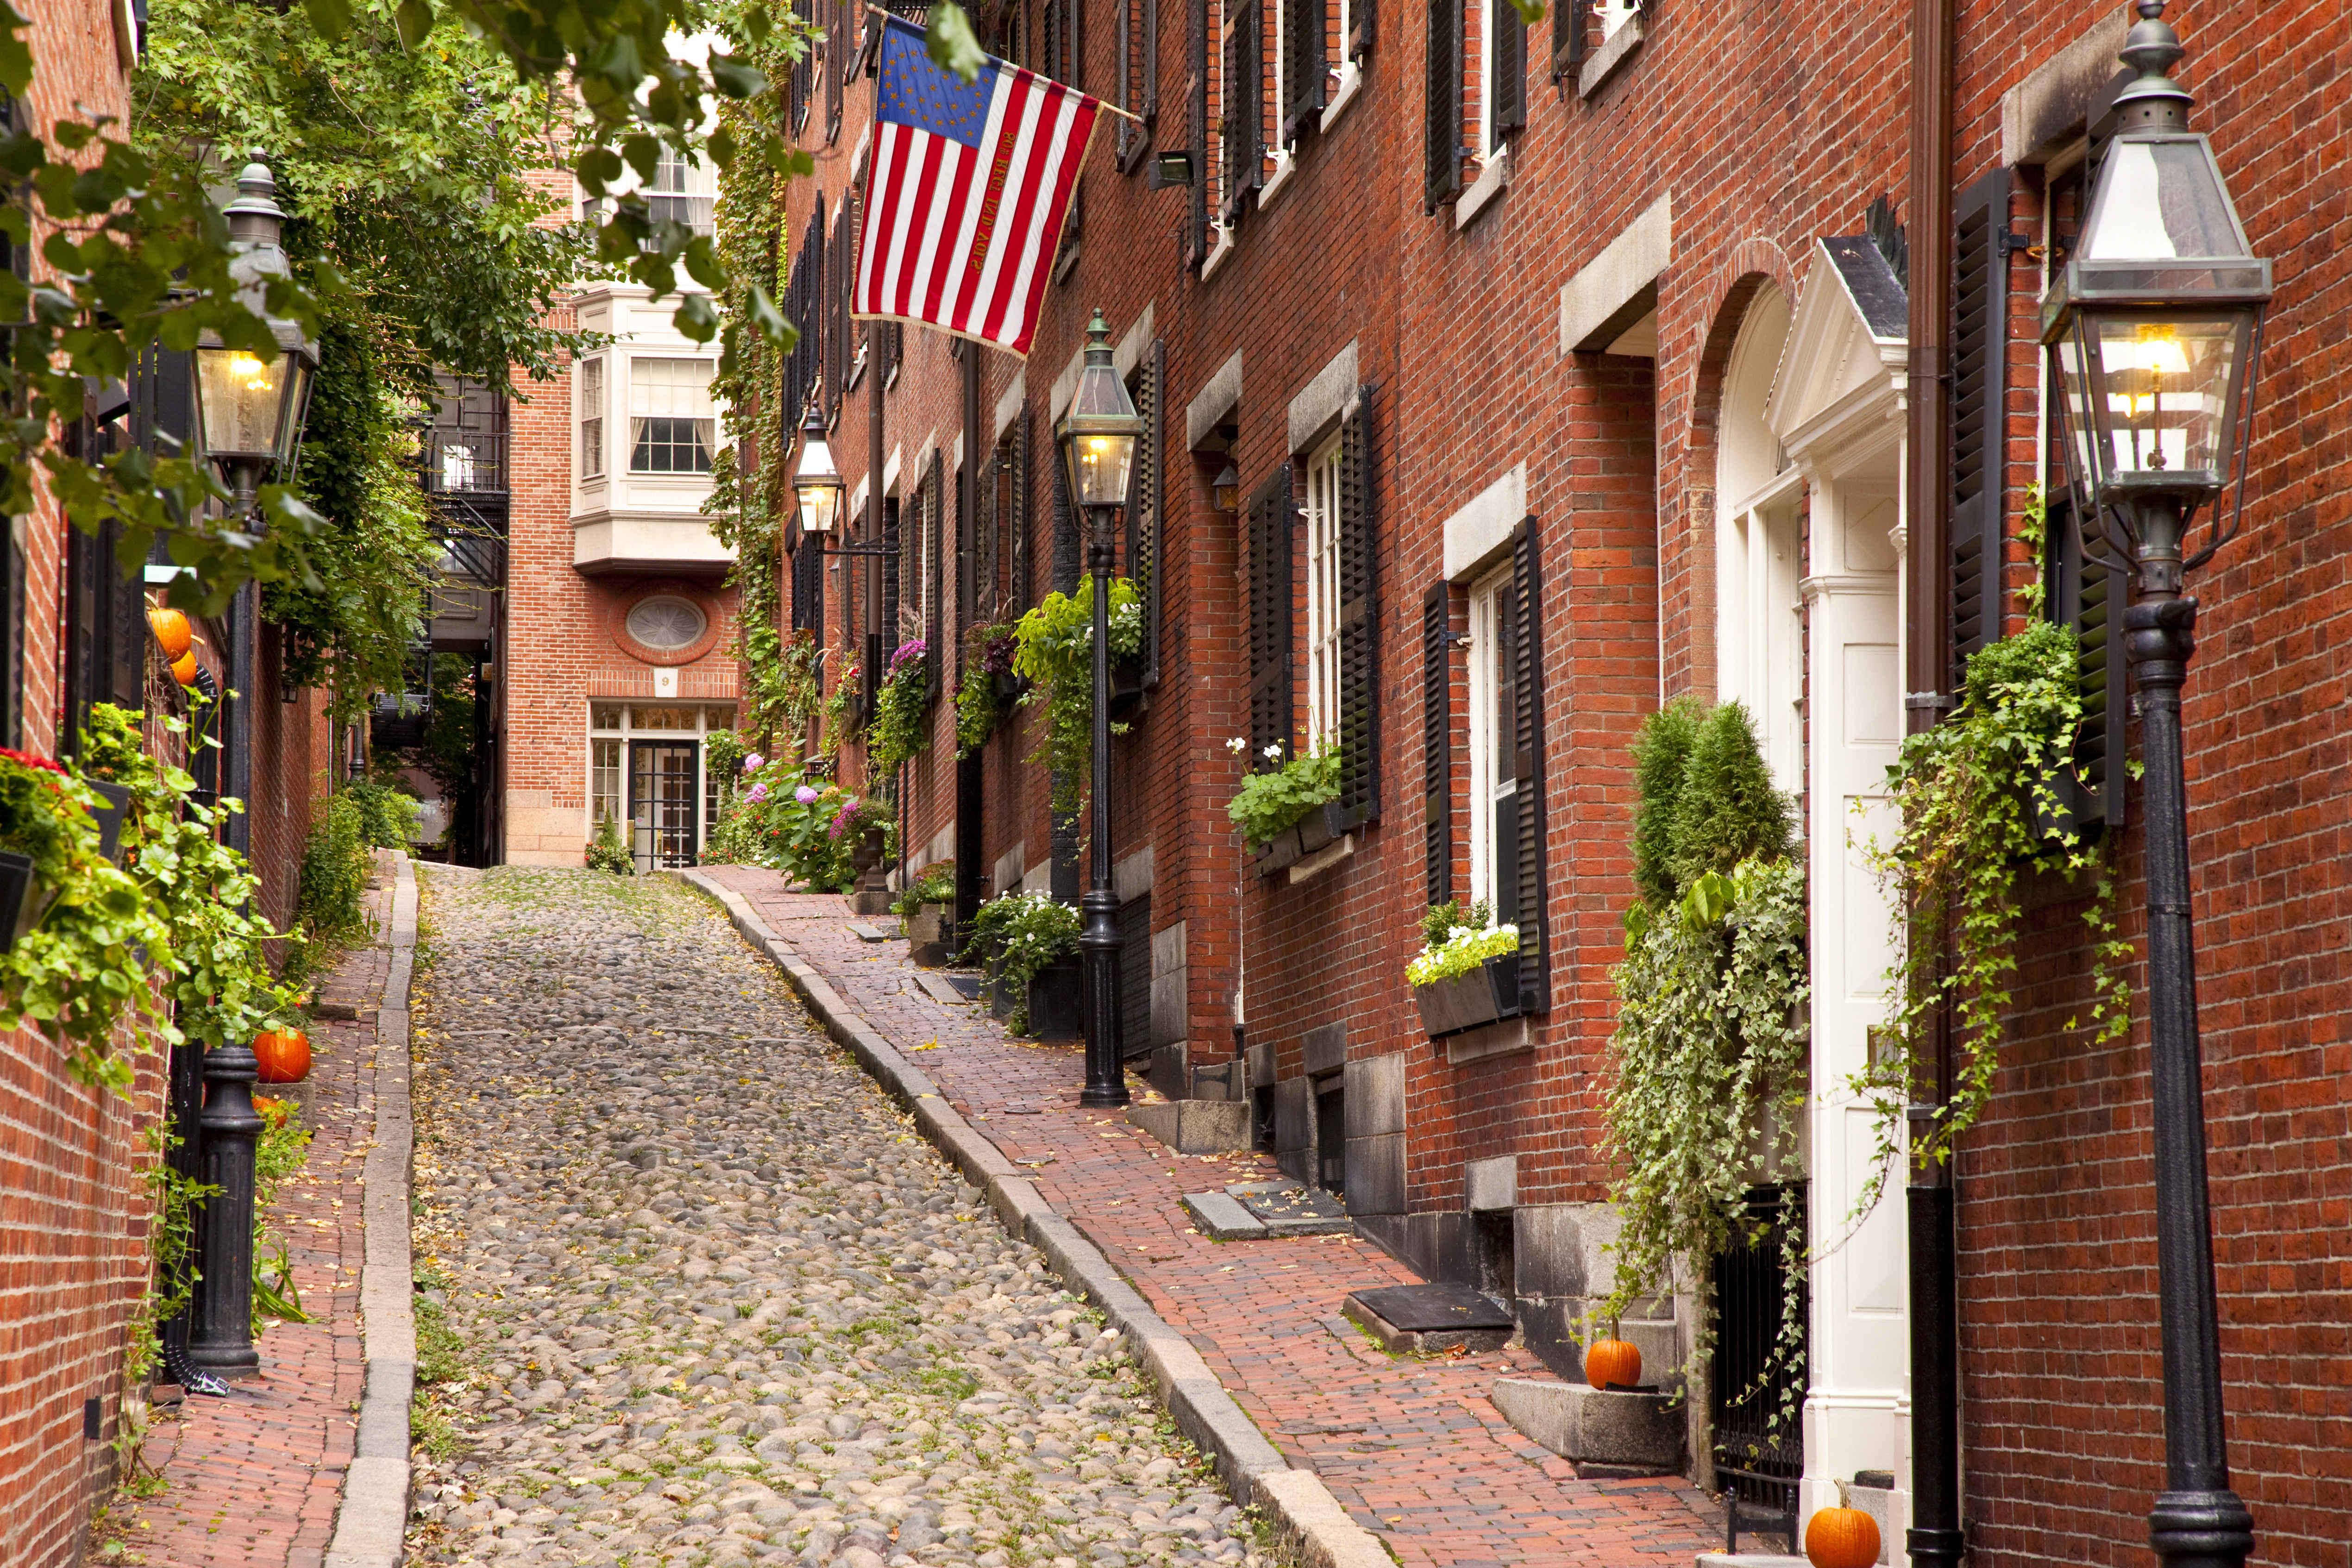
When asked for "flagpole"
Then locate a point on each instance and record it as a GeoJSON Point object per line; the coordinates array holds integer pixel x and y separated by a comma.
{"type": "Point", "coordinates": [1099, 103]}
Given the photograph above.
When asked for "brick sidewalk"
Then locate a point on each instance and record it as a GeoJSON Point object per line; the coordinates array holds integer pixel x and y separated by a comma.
{"type": "Point", "coordinates": [255, 1478]}
{"type": "Point", "coordinates": [1415, 1449]}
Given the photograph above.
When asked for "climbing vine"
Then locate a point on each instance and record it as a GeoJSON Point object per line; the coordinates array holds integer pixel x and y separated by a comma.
{"type": "Point", "coordinates": [1055, 653]}
{"type": "Point", "coordinates": [1708, 1066]}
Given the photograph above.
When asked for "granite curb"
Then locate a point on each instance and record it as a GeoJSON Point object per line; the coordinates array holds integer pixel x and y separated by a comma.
{"type": "Point", "coordinates": [1313, 1527]}
{"type": "Point", "coordinates": [373, 1520]}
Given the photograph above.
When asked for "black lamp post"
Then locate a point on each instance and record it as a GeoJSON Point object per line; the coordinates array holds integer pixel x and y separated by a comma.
{"type": "Point", "coordinates": [250, 412]}
{"type": "Point", "coordinates": [1098, 437]}
{"type": "Point", "coordinates": [2154, 330]}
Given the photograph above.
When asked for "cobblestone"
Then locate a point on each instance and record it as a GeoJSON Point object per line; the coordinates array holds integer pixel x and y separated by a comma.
{"type": "Point", "coordinates": [715, 1301]}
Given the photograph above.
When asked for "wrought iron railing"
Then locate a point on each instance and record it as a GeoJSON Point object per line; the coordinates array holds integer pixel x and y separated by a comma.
{"type": "Point", "coordinates": [1754, 1393]}
{"type": "Point", "coordinates": [462, 462]}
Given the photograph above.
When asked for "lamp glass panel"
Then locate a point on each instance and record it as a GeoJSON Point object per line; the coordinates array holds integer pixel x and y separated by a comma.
{"type": "Point", "coordinates": [819, 501]}
{"type": "Point", "coordinates": [1100, 465]}
{"type": "Point", "coordinates": [240, 398]}
{"type": "Point", "coordinates": [2159, 200]}
{"type": "Point", "coordinates": [2159, 393]}
{"type": "Point", "coordinates": [293, 407]}
{"type": "Point", "coordinates": [818, 484]}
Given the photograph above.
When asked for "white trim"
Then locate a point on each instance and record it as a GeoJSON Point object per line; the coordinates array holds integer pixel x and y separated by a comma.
{"type": "Point", "coordinates": [1225, 247]}
{"type": "Point", "coordinates": [1481, 529]}
{"type": "Point", "coordinates": [1286, 163]}
{"type": "Point", "coordinates": [1351, 82]}
{"type": "Point", "coordinates": [1493, 179]}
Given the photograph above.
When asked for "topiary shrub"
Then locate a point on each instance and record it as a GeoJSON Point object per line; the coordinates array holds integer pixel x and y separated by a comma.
{"type": "Point", "coordinates": [607, 853]}
{"type": "Point", "coordinates": [1725, 809]}
{"type": "Point", "coordinates": [1659, 753]}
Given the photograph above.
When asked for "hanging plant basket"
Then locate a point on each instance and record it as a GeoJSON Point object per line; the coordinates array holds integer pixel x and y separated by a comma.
{"type": "Point", "coordinates": [22, 898]}
{"type": "Point", "coordinates": [1472, 999]}
{"type": "Point", "coordinates": [114, 800]}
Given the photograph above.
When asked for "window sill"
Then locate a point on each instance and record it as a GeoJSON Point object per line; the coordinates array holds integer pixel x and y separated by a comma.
{"type": "Point", "coordinates": [1614, 51]}
{"type": "Point", "coordinates": [1351, 81]}
{"type": "Point", "coordinates": [1286, 163]}
{"type": "Point", "coordinates": [1493, 180]}
{"type": "Point", "coordinates": [1218, 254]}
{"type": "Point", "coordinates": [1323, 859]}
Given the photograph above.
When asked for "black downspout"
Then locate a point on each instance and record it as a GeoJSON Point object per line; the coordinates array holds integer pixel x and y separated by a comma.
{"type": "Point", "coordinates": [971, 844]}
{"type": "Point", "coordinates": [1934, 1538]}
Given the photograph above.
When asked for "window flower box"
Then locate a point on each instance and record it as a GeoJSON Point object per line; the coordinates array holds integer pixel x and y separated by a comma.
{"type": "Point", "coordinates": [1472, 999]}
{"type": "Point", "coordinates": [22, 898]}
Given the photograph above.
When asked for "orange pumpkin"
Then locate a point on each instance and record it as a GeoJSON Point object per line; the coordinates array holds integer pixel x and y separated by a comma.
{"type": "Point", "coordinates": [1612, 1364]}
{"type": "Point", "coordinates": [184, 668]}
{"type": "Point", "coordinates": [173, 633]}
{"type": "Point", "coordinates": [284, 1055]}
{"type": "Point", "coordinates": [1840, 1537]}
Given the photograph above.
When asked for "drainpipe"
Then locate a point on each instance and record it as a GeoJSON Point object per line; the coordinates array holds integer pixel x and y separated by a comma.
{"type": "Point", "coordinates": [1933, 1539]}
{"type": "Point", "coordinates": [969, 795]}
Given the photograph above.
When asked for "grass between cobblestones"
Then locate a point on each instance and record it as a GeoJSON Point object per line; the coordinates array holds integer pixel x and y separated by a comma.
{"type": "Point", "coordinates": [691, 1290]}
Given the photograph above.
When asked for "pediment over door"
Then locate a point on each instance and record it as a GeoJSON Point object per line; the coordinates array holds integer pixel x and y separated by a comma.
{"type": "Point", "coordinates": [1839, 393]}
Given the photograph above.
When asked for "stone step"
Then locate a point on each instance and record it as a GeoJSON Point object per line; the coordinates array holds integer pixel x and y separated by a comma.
{"type": "Point", "coordinates": [1587, 1424]}
{"type": "Point", "coordinates": [1421, 1319]}
{"type": "Point", "coordinates": [1196, 1126]}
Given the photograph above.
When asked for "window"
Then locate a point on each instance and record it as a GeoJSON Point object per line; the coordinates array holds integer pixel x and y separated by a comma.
{"type": "Point", "coordinates": [669, 416]}
{"type": "Point", "coordinates": [667, 622]}
{"type": "Point", "coordinates": [645, 773]}
{"type": "Point", "coordinates": [684, 190]}
{"type": "Point", "coordinates": [1494, 777]}
{"type": "Point", "coordinates": [591, 419]}
{"type": "Point", "coordinates": [604, 803]}
{"type": "Point", "coordinates": [1323, 595]}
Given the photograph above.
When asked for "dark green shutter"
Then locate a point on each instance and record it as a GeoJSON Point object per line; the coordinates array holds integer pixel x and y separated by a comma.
{"type": "Point", "coordinates": [1066, 545]}
{"type": "Point", "coordinates": [1196, 48]}
{"type": "Point", "coordinates": [2087, 600]}
{"type": "Point", "coordinates": [1245, 109]}
{"type": "Point", "coordinates": [933, 621]}
{"type": "Point", "coordinates": [1442, 128]}
{"type": "Point", "coordinates": [1979, 348]}
{"type": "Point", "coordinates": [1143, 506]}
{"type": "Point", "coordinates": [1017, 526]}
{"type": "Point", "coordinates": [1438, 738]}
{"type": "Point", "coordinates": [1510, 81]}
{"type": "Point", "coordinates": [1359, 633]}
{"type": "Point", "coordinates": [1527, 767]}
{"type": "Point", "coordinates": [1361, 17]}
{"type": "Point", "coordinates": [893, 575]}
{"type": "Point", "coordinates": [1270, 629]}
{"type": "Point", "coordinates": [1571, 23]}
{"type": "Point", "coordinates": [1303, 68]}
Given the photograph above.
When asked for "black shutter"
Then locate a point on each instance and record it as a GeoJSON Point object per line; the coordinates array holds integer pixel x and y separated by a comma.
{"type": "Point", "coordinates": [1360, 626]}
{"type": "Point", "coordinates": [837, 50]}
{"type": "Point", "coordinates": [1442, 131]}
{"type": "Point", "coordinates": [1510, 64]}
{"type": "Point", "coordinates": [1437, 737]}
{"type": "Point", "coordinates": [1196, 45]}
{"type": "Point", "coordinates": [1979, 348]}
{"type": "Point", "coordinates": [934, 543]}
{"type": "Point", "coordinates": [1143, 501]}
{"type": "Point", "coordinates": [1270, 631]}
{"type": "Point", "coordinates": [797, 101]}
{"type": "Point", "coordinates": [1064, 561]}
{"type": "Point", "coordinates": [1018, 523]}
{"type": "Point", "coordinates": [888, 564]}
{"type": "Point", "coordinates": [2085, 598]}
{"type": "Point", "coordinates": [1244, 114]}
{"type": "Point", "coordinates": [1303, 68]}
{"type": "Point", "coordinates": [1527, 767]}
{"type": "Point", "coordinates": [1571, 24]}
{"type": "Point", "coordinates": [1359, 41]}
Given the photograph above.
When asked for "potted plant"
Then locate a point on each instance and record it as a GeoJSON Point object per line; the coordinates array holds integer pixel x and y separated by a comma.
{"type": "Point", "coordinates": [1031, 943]}
{"type": "Point", "coordinates": [1467, 971]}
{"type": "Point", "coordinates": [928, 906]}
{"type": "Point", "coordinates": [1053, 1002]}
{"type": "Point", "coordinates": [1279, 809]}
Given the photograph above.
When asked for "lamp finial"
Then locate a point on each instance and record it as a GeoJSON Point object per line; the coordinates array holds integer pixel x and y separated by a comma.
{"type": "Point", "coordinates": [2152, 48]}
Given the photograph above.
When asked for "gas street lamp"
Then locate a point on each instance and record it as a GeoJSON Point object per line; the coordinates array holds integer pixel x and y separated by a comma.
{"type": "Point", "coordinates": [249, 413]}
{"type": "Point", "coordinates": [816, 482]}
{"type": "Point", "coordinates": [1098, 437]}
{"type": "Point", "coordinates": [2153, 330]}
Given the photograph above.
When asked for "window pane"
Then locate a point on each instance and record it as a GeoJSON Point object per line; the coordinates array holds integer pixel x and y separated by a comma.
{"type": "Point", "coordinates": [661, 718]}
{"type": "Point", "coordinates": [606, 716]}
{"type": "Point", "coordinates": [591, 419]}
{"type": "Point", "coordinates": [677, 387]}
{"type": "Point", "coordinates": [604, 783]}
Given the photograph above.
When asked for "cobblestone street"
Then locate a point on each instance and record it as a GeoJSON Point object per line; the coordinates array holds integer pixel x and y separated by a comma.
{"type": "Point", "coordinates": [712, 1298]}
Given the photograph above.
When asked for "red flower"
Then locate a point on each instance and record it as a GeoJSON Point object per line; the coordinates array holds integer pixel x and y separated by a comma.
{"type": "Point", "coordinates": [26, 759]}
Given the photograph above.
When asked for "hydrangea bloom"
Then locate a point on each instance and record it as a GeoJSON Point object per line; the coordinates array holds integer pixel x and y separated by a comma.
{"type": "Point", "coordinates": [805, 795]}
{"type": "Point", "coordinates": [751, 763]}
{"type": "Point", "coordinates": [759, 792]}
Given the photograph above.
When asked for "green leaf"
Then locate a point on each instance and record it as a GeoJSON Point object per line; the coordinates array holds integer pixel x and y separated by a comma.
{"type": "Point", "coordinates": [413, 21]}
{"type": "Point", "coordinates": [696, 319]}
{"type": "Point", "coordinates": [1530, 11]}
{"type": "Point", "coordinates": [736, 79]}
{"type": "Point", "coordinates": [949, 42]}
{"type": "Point", "coordinates": [332, 18]}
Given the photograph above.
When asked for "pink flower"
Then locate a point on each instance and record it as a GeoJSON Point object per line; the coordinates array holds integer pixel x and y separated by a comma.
{"type": "Point", "coordinates": [806, 795]}
{"type": "Point", "coordinates": [751, 763]}
{"type": "Point", "coordinates": [759, 792]}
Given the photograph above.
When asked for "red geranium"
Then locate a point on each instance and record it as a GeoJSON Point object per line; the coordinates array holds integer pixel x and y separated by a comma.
{"type": "Point", "coordinates": [30, 761]}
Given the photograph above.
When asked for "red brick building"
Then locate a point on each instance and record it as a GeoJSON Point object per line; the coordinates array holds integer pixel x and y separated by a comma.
{"type": "Point", "coordinates": [1501, 384]}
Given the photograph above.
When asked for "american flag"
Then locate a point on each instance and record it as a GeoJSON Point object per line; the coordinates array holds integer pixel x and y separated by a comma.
{"type": "Point", "coordinates": [970, 184]}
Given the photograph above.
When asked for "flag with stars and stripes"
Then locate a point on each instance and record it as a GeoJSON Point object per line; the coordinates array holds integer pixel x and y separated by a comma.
{"type": "Point", "coordinates": [967, 192]}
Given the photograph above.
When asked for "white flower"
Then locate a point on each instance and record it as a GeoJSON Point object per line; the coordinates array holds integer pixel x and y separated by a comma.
{"type": "Point", "coordinates": [1273, 752]}
{"type": "Point", "coordinates": [1238, 744]}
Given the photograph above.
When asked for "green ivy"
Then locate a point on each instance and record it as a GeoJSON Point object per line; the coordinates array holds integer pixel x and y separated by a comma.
{"type": "Point", "coordinates": [1055, 655]}
{"type": "Point", "coordinates": [988, 653]}
{"type": "Point", "coordinates": [388, 812]}
{"type": "Point", "coordinates": [901, 728]}
{"type": "Point", "coordinates": [329, 899]}
{"type": "Point", "coordinates": [1708, 1058]}
{"type": "Point", "coordinates": [1976, 794]}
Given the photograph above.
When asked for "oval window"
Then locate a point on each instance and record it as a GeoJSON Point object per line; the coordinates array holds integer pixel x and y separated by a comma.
{"type": "Point", "coordinates": [667, 622]}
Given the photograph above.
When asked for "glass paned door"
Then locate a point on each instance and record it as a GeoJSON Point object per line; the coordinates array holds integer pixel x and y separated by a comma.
{"type": "Point", "coordinates": [662, 816]}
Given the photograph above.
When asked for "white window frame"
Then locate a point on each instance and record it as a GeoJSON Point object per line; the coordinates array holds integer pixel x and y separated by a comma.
{"type": "Point", "coordinates": [1486, 596]}
{"type": "Point", "coordinates": [1323, 594]}
{"type": "Point", "coordinates": [637, 364]}
{"type": "Point", "coordinates": [589, 391]}
{"type": "Point", "coordinates": [709, 718]}
{"type": "Point", "coordinates": [1762, 624]}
